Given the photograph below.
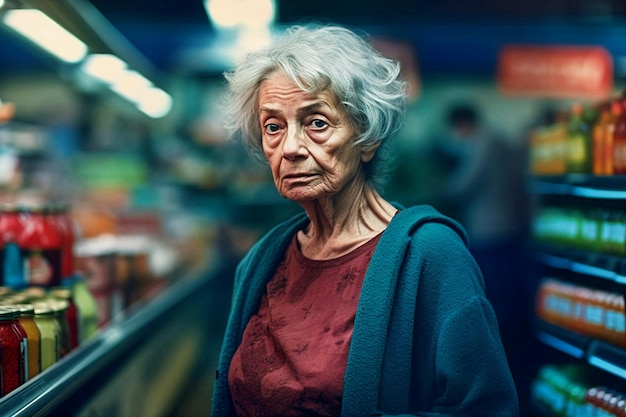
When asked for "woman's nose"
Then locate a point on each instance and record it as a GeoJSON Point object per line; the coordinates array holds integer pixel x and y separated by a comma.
{"type": "Point", "coordinates": [294, 146]}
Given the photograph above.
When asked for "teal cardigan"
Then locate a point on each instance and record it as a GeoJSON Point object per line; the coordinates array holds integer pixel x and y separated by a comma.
{"type": "Point", "coordinates": [425, 341]}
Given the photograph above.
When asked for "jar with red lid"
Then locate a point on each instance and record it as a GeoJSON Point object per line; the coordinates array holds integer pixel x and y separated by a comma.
{"type": "Point", "coordinates": [40, 244]}
{"type": "Point", "coordinates": [11, 227]}
{"type": "Point", "coordinates": [13, 350]}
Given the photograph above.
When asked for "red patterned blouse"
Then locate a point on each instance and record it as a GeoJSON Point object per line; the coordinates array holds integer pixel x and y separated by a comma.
{"type": "Point", "coordinates": [293, 354]}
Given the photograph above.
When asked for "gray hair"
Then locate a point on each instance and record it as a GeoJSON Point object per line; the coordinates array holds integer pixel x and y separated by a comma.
{"type": "Point", "coordinates": [323, 58]}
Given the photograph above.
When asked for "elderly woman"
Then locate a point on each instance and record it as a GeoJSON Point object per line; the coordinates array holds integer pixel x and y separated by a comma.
{"type": "Point", "coordinates": [357, 307]}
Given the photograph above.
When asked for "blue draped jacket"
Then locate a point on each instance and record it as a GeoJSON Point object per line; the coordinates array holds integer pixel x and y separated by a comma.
{"type": "Point", "coordinates": [426, 340]}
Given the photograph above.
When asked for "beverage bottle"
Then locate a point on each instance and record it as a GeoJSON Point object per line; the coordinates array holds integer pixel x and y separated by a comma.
{"type": "Point", "coordinates": [595, 399]}
{"type": "Point", "coordinates": [575, 400]}
{"type": "Point", "coordinates": [594, 314]}
{"type": "Point", "coordinates": [579, 141]}
{"type": "Point", "coordinates": [615, 403]}
{"type": "Point", "coordinates": [615, 319]}
{"type": "Point", "coordinates": [619, 142]}
{"type": "Point", "coordinates": [609, 137]}
{"type": "Point", "coordinates": [599, 133]}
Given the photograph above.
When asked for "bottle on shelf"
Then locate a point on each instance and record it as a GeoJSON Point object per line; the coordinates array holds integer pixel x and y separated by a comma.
{"type": "Point", "coordinates": [619, 141]}
{"type": "Point", "coordinates": [600, 130]}
{"type": "Point", "coordinates": [579, 147]}
{"type": "Point", "coordinates": [609, 137]}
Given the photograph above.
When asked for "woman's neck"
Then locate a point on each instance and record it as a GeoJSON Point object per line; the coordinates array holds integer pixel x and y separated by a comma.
{"type": "Point", "coordinates": [341, 223]}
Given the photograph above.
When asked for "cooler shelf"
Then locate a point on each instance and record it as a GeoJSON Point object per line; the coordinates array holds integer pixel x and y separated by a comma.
{"type": "Point", "coordinates": [597, 353]}
{"type": "Point", "coordinates": [136, 366]}
{"type": "Point", "coordinates": [606, 267]}
{"type": "Point", "coordinates": [581, 185]}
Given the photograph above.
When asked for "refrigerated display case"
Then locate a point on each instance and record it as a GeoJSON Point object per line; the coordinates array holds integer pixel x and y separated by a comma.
{"type": "Point", "coordinates": [141, 364]}
{"type": "Point", "coordinates": [579, 231]}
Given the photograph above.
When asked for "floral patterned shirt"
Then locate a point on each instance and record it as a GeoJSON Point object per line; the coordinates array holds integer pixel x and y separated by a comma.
{"type": "Point", "coordinates": [293, 354]}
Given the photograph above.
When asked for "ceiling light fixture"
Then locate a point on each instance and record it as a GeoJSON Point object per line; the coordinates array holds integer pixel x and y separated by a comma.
{"type": "Point", "coordinates": [154, 102]}
{"type": "Point", "coordinates": [46, 33]}
{"type": "Point", "coordinates": [131, 85]}
{"type": "Point", "coordinates": [106, 68]}
{"type": "Point", "coordinates": [241, 14]}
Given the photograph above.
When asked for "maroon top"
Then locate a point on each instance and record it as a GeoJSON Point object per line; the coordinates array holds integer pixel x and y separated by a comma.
{"type": "Point", "coordinates": [294, 351]}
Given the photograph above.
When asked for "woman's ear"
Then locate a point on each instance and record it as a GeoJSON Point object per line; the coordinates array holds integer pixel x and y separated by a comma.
{"type": "Point", "coordinates": [368, 151]}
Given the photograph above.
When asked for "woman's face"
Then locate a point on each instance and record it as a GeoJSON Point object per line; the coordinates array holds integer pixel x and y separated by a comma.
{"type": "Point", "coordinates": [307, 139]}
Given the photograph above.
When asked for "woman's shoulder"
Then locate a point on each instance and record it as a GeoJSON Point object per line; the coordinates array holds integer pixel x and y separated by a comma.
{"type": "Point", "coordinates": [424, 221]}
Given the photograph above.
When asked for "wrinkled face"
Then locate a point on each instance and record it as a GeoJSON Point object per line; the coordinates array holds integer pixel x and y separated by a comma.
{"type": "Point", "coordinates": [307, 139]}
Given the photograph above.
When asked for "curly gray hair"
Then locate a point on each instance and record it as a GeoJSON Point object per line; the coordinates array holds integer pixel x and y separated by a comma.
{"type": "Point", "coordinates": [323, 58]}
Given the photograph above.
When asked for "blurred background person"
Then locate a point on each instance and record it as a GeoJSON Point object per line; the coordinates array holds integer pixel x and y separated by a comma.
{"type": "Point", "coordinates": [485, 191]}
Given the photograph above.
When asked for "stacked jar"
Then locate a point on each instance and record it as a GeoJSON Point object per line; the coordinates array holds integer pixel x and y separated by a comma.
{"type": "Point", "coordinates": [27, 320]}
{"type": "Point", "coordinates": [13, 350]}
{"type": "Point", "coordinates": [71, 315]}
{"type": "Point", "coordinates": [50, 334]}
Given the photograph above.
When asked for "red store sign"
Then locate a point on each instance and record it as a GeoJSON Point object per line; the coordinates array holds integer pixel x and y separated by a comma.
{"type": "Point", "coordinates": [557, 72]}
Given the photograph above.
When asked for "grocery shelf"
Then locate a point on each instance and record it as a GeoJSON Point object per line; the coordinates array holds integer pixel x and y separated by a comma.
{"type": "Point", "coordinates": [581, 185]}
{"type": "Point", "coordinates": [605, 267]}
{"type": "Point", "coordinates": [114, 373]}
{"type": "Point", "coordinates": [599, 354]}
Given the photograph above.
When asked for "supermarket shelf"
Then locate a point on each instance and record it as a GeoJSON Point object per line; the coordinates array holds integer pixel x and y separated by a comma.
{"type": "Point", "coordinates": [581, 185]}
{"type": "Point", "coordinates": [607, 267]}
{"type": "Point", "coordinates": [102, 376]}
{"type": "Point", "coordinates": [597, 353]}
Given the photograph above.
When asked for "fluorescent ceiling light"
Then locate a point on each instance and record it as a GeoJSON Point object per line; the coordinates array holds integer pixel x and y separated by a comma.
{"type": "Point", "coordinates": [229, 14]}
{"type": "Point", "coordinates": [131, 85]}
{"type": "Point", "coordinates": [155, 102]}
{"type": "Point", "coordinates": [45, 32]}
{"type": "Point", "coordinates": [104, 67]}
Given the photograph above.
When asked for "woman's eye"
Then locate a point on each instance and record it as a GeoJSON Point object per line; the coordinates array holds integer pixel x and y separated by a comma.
{"type": "Point", "coordinates": [271, 128]}
{"type": "Point", "coordinates": [318, 124]}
